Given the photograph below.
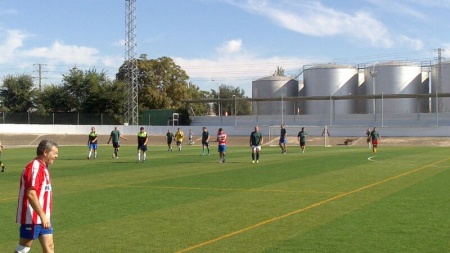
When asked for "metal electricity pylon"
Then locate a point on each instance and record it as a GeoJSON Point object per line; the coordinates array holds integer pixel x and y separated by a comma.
{"type": "Point", "coordinates": [131, 76]}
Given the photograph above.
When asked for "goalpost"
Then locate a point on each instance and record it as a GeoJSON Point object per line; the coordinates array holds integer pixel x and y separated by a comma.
{"type": "Point", "coordinates": [316, 135]}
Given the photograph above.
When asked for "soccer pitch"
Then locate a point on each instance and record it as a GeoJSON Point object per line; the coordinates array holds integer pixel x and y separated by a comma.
{"type": "Point", "coordinates": [337, 199]}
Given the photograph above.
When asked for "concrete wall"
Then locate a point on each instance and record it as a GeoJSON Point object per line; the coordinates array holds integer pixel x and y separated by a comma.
{"type": "Point", "coordinates": [239, 130]}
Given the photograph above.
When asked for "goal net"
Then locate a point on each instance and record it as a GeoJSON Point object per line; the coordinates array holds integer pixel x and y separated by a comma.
{"type": "Point", "coordinates": [316, 135]}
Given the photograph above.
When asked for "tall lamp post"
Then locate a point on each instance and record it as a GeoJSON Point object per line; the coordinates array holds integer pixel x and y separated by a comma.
{"type": "Point", "coordinates": [235, 112]}
{"type": "Point", "coordinates": [218, 97]}
{"type": "Point", "coordinates": [373, 73]}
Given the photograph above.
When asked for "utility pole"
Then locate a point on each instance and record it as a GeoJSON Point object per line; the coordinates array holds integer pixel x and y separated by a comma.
{"type": "Point", "coordinates": [131, 76]}
{"type": "Point", "coordinates": [440, 102]}
{"type": "Point", "coordinates": [39, 74]}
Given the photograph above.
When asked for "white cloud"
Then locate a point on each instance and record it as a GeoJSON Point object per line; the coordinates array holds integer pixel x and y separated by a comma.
{"type": "Point", "coordinates": [399, 7]}
{"type": "Point", "coordinates": [67, 54]}
{"type": "Point", "coordinates": [231, 47]}
{"type": "Point", "coordinates": [416, 44]}
{"type": "Point", "coordinates": [13, 41]}
{"type": "Point", "coordinates": [314, 19]}
{"type": "Point", "coordinates": [431, 3]}
{"type": "Point", "coordinates": [119, 43]}
{"type": "Point", "coordinates": [242, 66]}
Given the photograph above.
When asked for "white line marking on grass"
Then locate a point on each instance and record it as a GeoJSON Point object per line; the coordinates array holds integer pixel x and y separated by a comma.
{"type": "Point", "coordinates": [6, 199]}
{"type": "Point", "coordinates": [216, 189]}
{"type": "Point", "coordinates": [370, 159]}
{"type": "Point", "coordinates": [307, 208]}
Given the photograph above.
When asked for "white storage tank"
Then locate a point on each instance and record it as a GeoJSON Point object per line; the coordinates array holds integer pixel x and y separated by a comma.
{"type": "Point", "coordinates": [395, 78]}
{"type": "Point", "coordinates": [330, 80]}
{"type": "Point", "coordinates": [442, 103]}
{"type": "Point", "coordinates": [274, 87]}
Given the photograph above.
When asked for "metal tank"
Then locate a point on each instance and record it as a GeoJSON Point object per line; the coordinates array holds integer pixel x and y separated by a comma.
{"type": "Point", "coordinates": [274, 87]}
{"type": "Point", "coordinates": [330, 80]}
{"type": "Point", "coordinates": [442, 86]}
{"type": "Point", "coordinates": [395, 78]}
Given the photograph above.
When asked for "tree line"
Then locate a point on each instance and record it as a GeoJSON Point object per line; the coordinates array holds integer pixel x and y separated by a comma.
{"type": "Point", "coordinates": [162, 84]}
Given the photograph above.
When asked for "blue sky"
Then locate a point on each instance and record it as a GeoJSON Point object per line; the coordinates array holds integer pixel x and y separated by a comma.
{"type": "Point", "coordinates": [232, 42]}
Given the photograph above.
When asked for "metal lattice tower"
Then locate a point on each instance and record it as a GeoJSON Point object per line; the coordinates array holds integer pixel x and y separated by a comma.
{"type": "Point", "coordinates": [131, 76]}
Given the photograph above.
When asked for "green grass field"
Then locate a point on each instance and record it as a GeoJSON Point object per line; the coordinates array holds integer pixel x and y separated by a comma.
{"type": "Point", "coordinates": [338, 199]}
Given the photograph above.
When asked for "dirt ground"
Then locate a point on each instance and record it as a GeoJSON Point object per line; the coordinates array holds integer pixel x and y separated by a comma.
{"type": "Point", "coordinates": [65, 140]}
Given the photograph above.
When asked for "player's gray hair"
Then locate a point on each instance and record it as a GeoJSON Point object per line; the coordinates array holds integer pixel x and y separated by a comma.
{"type": "Point", "coordinates": [45, 145]}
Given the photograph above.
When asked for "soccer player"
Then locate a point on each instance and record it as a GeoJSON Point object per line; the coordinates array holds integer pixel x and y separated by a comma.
{"type": "Point", "coordinates": [302, 139]}
{"type": "Point", "coordinates": [169, 139]}
{"type": "Point", "coordinates": [374, 137]}
{"type": "Point", "coordinates": [205, 140]}
{"type": "Point", "coordinates": [179, 138]}
{"type": "Point", "coordinates": [191, 137]}
{"type": "Point", "coordinates": [142, 138]}
{"type": "Point", "coordinates": [115, 136]}
{"type": "Point", "coordinates": [92, 143]}
{"type": "Point", "coordinates": [283, 139]}
{"type": "Point", "coordinates": [368, 137]}
{"type": "Point", "coordinates": [35, 202]}
{"type": "Point", "coordinates": [222, 148]}
{"type": "Point", "coordinates": [1, 162]}
{"type": "Point", "coordinates": [256, 140]}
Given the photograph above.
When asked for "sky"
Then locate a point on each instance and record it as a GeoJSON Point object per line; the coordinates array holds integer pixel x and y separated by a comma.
{"type": "Point", "coordinates": [219, 42]}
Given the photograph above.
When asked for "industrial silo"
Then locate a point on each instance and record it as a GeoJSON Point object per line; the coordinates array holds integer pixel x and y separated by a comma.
{"type": "Point", "coordinates": [274, 87]}
{"type": "Point", "coordinates": [330, 80]}
{"type": "Point", "coordinates": [395, 78]}
{"type": "Point", "coordinates": [441, 84]}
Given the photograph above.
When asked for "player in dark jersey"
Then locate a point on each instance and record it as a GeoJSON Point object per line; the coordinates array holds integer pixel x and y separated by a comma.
{"type": "Point", "coordinates": [302, 139]}
{"type": "Point", "coordinates": [205, 140]}
{"type": "Point", "coordinates": [142, 138]}
{"type": "Point", "coordinates": [169, 139]}
{"type": "Point", "coordinates": [283, 139]}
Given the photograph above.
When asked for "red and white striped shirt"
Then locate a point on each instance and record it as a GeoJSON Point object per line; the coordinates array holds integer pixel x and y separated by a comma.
{"type": "Point", "coordinates": [35, 175]}
{"type": "Point", "coordinates": [222, 138]}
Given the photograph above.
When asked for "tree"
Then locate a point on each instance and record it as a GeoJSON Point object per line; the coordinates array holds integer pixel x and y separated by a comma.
{"type": "Point", "coordinates": [194, 92]}
{"type": "Point", "coordinates": [54, 98]}
{"type": "Point", "coordinates": [279, 71]}
{"type": "Point", "coordinates": [18, 93]}
{"type": "Point", "coordinates": [162, 83]}
{"type": "Point", "coordinates": [227, 92]}
{"type": "Point", "coordinates": [86, 92]}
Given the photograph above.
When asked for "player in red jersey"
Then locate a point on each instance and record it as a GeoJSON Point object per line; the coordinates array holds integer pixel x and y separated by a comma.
{"type": "Point", "coordinates": [222, 140]}
{"type": "Point", "coordinates": [35, 200]}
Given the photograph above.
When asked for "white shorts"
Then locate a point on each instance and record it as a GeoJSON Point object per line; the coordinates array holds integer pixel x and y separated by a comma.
{"type": "Point", "coordinates": [257, 148]}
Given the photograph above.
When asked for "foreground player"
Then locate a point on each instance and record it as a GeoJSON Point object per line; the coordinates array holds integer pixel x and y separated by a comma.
{"type": "Point", "coordinates": [35, 200]}
{"type": "Point", "coordinates": [222, 148]}
{"type": "Point", "coordinates": [256, 140]}
{"type": "Point", "coordinates": [374, 137]}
